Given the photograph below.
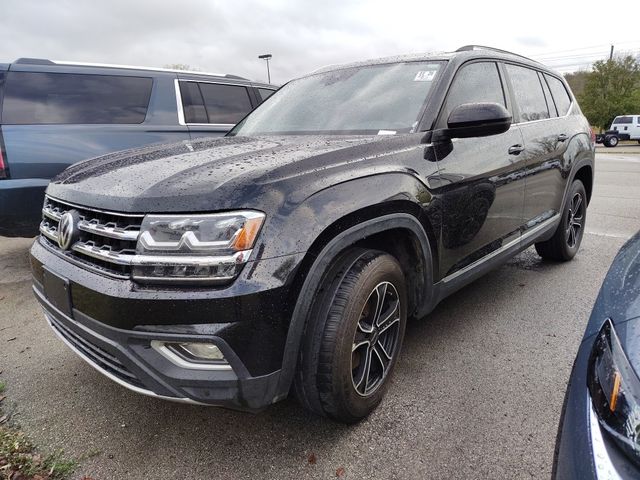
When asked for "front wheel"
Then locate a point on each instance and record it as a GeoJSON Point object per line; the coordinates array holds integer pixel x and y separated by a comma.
{"type": "Point", "coordinates": [566, 240]}
{"type": "Point", "coordinates": [353, 336]}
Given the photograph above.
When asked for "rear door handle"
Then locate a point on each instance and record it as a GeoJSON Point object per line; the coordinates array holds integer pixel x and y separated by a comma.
{"type": "Point", "coordinates": [515, 149]}
{"type": "Point", "coordinates": [562, 137]}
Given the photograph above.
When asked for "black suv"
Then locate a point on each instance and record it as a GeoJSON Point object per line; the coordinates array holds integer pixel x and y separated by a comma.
{"type": "Point", "coordinates": [54, 114]}
{"type": "Point", "coordinates": [291, 253]}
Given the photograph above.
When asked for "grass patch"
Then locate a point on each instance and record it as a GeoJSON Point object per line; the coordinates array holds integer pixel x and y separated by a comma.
{"type": "Point", "coordinates": [19, 458]}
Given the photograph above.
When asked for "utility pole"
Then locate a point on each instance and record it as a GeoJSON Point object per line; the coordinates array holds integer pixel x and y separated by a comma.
{"type": "Point", "coordinates": [611, 53]}
{"type": "Point", "coordinates": [268, 56]}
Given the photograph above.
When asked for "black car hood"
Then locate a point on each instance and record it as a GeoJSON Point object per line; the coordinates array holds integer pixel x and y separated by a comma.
{"type": "Point", "coordinates": [206, 174]}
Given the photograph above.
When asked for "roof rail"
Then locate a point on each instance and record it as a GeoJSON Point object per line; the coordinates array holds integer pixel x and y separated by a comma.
{"type": "Point", "coordinates": [470, 48]}
{"type": "Point", "coordinates": [42, 61]}
{"type": "Point", "coordinates": [33, 61]}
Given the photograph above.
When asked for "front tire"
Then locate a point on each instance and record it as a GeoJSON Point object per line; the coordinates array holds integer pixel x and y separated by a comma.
{"type": "Point", "coordinates": [353, 336]}
{"type": "Point", "coordinates": [565, 242]}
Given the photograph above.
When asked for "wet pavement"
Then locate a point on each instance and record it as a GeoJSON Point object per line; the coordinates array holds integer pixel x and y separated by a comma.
{"type": "Point", "coordinates": [477, 392]}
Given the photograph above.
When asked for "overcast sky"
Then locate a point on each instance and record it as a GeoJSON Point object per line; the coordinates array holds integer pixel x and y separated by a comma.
{"type": "Point", "coordinates": [227, 36]}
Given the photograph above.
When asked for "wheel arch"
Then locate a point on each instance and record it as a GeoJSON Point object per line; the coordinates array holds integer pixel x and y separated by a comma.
{"type": "Point", "coordinates": [584, 173]}
{"type": "Point", "coordinates": [402, 225]}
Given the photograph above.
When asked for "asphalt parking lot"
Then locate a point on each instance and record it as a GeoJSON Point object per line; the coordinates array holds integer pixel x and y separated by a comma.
{"type": "Point", "coordinates": [477, 392]}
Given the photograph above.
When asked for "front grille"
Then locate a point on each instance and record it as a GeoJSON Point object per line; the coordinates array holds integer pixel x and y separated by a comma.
{"type": "Point", "coordinates": [95, 354]}
{"type": "Point", "coordinates": [106, 241]}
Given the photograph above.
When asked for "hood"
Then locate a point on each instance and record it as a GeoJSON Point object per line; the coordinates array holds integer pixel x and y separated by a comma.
{"type": "Point", "coordinates": [619, 297]}
{"type": "Point", "coordinates": [208, 174]}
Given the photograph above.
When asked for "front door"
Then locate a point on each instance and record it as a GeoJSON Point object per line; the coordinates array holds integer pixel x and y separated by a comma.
{"type": "Point", "coordinates": [481, 179]}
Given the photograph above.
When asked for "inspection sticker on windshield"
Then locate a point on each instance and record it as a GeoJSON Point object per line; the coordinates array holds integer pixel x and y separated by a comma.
{"type": "Point", "coordinates": [425, 76]}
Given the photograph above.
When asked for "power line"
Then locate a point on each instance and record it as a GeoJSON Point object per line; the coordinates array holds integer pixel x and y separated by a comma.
{"type": "Point", "coordinates": [601, 46]}
{"type": "Point", "coordinates": [577, 61]}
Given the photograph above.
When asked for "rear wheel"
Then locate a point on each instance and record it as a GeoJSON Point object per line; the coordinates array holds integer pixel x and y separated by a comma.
{"type": "Point", "coordinates": [610, 141]}
{"type": "Point", "coordinates": [566, 240]}
{"type": "Point", "coordinates": [353, 336]}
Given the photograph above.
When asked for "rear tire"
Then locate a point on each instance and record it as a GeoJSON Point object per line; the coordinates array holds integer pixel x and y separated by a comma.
{"type": "Point", "coordinates": [353, 336]}
{"type": "Point", "coordinates": [565, 242]}
{"type": "Point", "coordinates": [610, 141]}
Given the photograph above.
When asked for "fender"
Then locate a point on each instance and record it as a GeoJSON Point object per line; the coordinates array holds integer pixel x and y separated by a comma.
{"type": "Point", "coordinates": [320, 265]}
{"type": "Point", "coordinates": [584, 158]}
{"type": "Point", "coordinates": [579, 163]}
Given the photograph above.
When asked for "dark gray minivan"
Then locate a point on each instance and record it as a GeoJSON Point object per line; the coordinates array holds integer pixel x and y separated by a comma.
{"type": "Point", "coordinates": [54, 114]}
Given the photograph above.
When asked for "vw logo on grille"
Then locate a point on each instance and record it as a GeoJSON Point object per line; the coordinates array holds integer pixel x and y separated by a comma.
{"type": "Point", "coordinates": [67, 229]}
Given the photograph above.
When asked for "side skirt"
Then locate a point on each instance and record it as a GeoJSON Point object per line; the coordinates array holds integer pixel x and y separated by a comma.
{"type": "Point", "coordinates": [464, 276]}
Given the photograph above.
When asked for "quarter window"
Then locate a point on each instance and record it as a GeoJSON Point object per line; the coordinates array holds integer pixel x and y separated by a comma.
{"type": "Point", "coordinates": [560, 94]}
{"type": "Point", "coordinates": [64, 98]}
{"type": "Point", "coordinates": [553, 112]}
{"type": "Point", "coordinates": [475, 82]}
{"type": "Point", "coordinates": [528, 93]}
{"type": "Point", "coordinates": [226, 104]}
{"type": "Point", "coordinates": [265, 93]}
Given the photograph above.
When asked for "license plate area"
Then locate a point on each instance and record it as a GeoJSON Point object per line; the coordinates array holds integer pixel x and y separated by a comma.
{"type": "Point", "coordinates": [57, 291]}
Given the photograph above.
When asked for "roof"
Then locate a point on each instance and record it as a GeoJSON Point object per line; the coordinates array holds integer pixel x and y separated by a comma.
{"type": "Point", "coordinates": [41, 61]}
{"type": "Point", "coordinates": [466, 52]}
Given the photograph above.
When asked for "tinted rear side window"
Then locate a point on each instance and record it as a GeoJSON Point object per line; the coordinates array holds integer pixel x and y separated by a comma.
{"type": "Point", "coordinates": [192, 103]}
{"type": "Point", "coordinates": [63, 98]}
{"type": "Point", "coordinates": [265, 93]}
{"type": "Point", "coordinates": [623, 120]}
{"type": "Point", "coordinates": [560, 94]}
{"type": "Point", "coordinates": [528, 93]}
{"type": "Point", "coordinates": [226, 104]}
{"type": "Point", "coordinates": [476, 82]}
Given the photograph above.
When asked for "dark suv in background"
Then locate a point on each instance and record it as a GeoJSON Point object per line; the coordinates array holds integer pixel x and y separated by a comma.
{"type": "Point", "coordinates": [291, 253]}
{"type": "Point", "coordinates": [54, 114]}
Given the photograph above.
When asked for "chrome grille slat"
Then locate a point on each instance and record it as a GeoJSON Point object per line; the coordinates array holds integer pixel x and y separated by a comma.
{"type": "Point", "coordinates": [107, 231]}
{"type": "Point", "coordinates": [94, 226]}
{"type": "Point", "coordinates": [48, 231]}
{"type": "Point", "coordinates": [102, 253]}
{"type": "Point", "coordinates": [107, 240]}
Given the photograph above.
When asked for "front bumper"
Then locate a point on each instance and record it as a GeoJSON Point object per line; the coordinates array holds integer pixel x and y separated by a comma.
{"type": "Point", "coordinates": [127, 358]}
{"type": "Point", "coordinates": [21, 206]}
{"type": "Point", "coordinates": [111, 323]}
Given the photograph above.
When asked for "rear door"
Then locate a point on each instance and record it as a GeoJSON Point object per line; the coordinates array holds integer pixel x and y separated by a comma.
{"type": "Point", "coordinates": [212, 108]}
{"type": "Point", "coordinates": [53, 117]}
{"type": "Point", "coordinates": [483, 186]}
{"type": "Point", "coordinates": [547, 130]}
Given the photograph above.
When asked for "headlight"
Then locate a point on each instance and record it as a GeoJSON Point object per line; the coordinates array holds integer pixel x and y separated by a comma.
{"type": "Point", "coordinates": [200, 249]}
{"type": "Point", "coordinates": [615, 391]}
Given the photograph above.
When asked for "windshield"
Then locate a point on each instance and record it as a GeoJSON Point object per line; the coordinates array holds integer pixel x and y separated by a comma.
{"type": "Point", "coordinates": [378, 99]}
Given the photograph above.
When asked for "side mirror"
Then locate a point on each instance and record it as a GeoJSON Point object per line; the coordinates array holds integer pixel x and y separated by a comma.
{"type": "Point", "coordinates": [477, 120]}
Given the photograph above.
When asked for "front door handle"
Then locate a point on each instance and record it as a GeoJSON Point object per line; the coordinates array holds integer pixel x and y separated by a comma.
{"type": "Point", "coordinates": [516, 149]}
{"type": "Point", "coordinates": [562, 137]}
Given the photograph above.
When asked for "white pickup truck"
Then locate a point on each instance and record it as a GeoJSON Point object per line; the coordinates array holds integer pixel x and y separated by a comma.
{"type": "Point", "coordinates": [625, 127]}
